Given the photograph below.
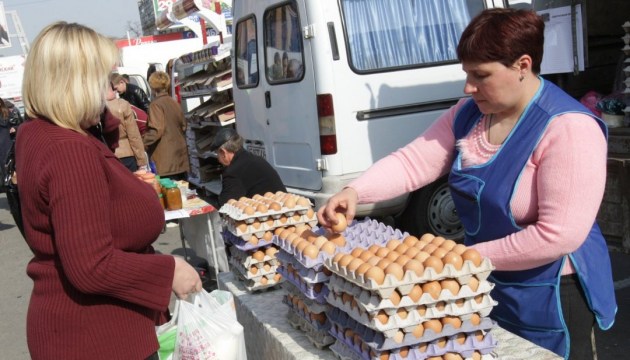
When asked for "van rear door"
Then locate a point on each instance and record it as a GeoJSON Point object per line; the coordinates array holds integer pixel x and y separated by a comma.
{"type": "Point", "coordinates": [273, 63]}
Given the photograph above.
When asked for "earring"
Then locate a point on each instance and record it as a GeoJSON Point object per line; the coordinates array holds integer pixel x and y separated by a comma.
{"type": "Point", "coordinates": [521, 78]}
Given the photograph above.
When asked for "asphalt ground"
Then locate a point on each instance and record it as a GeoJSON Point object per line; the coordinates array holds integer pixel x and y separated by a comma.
{"type": "Point", "coordinates": [16, 288]}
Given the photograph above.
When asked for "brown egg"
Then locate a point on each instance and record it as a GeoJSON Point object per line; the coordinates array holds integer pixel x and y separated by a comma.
{"type": "Point", "coordinates": [398, 336]}
{"type": "Point", "coordinates": [440, 305]}
{"type": "Point", "coordinates": [337, 257]}
{"type": "Point", "coordinates": [268, 236]}
{"type": "Point", "coordinates": [345, 260]}
{"type": "Point", "coordinates": [382, 317]}
{"type": "Point", "coordinates": [475, 319]}
{"type": "Point", "coordinates": [420, 245]}
{"type": "Point", "coordinates": [267, 267]}
{"type": "Point", "coordinates": [348, 334]}
{"type": "Point", "coordinates": [434, 325]}
{"type": "Point", "coordinates": [271, 251]}
{"type": "Point", "coordinates": [384, 263]}
{"type": "Point", "coordinates": [460, 338]}
{"type": "Point", "coordinates": [285, 234]}
{"type": "Point", "coordinates": [392, 256]}
{"type": "Point", "coordinates": [454, 321]}
{"type": "Point", "coordinates": [395, 270]}
{"type": "Point", "coordinates": [382, 252]}
{"type": "Point", "coordinates": [451, 285]}
{"type": "Point", "coordinates": [439, 252]}
{"type": "Point", "coordinates": [320, 318]}
{"type": "Point", "coordinates": [302, 245]}
{"type": "Point", "coordinates": [373, 248]}
{"type": "Point", "coordinates": [392, 244]}
{"type": "Point", "coordinates": [253, 269]}
{"type": "Point", "coordinates": [320, 241]}
{"type": "Point", "coordinates": [441, 342]}
{"type": "Point", "coordinates": [302, 201]}
{"type": "Point", "coordinates": [453, 259]}
{"type": "Point", "coordinates": [289, 203]}
{"type": "Point", "coordinates": [402, 260]}
{"type": "Point", "coordinates": [473, 283]}
{"type": "Point", "coordinates": [329, 247]}
{"type": "Point", "coordinates": [404, 352]}
{"type": "Point", "coordinates": [410, 240]}
{"type": "Point", "coordinates": [264, 280]}
{"type": "Point", "coordinates": [338, 239]}
{"type": "Point", "coordinates": [418, 331]}
{"type": "Point", "coordinates": [402, 313]}
{"type": "Point", "coordinates": [422, 347]}
{"type": "Point", "coordinates": [415, 293]}
{"type": "Point", "coordinates": [310, 251]}
{"type": "Point", "coordinates": [374, 260]}
{"type": "Point", "coordinates": [354, 264]}
{"type": "Point", "coordinates": [479, 335]}
{"type": "Point", "coordinates": [356, 252]}
{"type": "Point", "coordinates": [401, 248]}
{"type": "Point", "coordinates": [310, 214]}
{"type": "Point", "coordinates": [375, 274]}
{"type": "Point", "coordinates": [362, 269]}
{"type": "Point", "coordinates": [430, 248]}
{"type": "Point", "coordinates": [278, 231]}
{"type": "Point", "coordinates": [448, 245]}
{"type": "Point", "coordinates": [366, 255]}
{"type": "Point", "coordinates": [262, 208]}
{"type": "Point", "coordinates": [476, 355]}
{"type": "Point", "coordinates": [341, 224]}
{"type": "Point", "coordinates": [459, 249]}
{"type": "Point", "coordinates": [427, 237]}
{"type": "Point", "coordinates": [395, 297]}
{"type": "Point", "coordinates": [415, 266]}
{"type": "Point", "coordinates": [478, 299]}
{"type": "Point", "coordinates": [422, 310]}
{"type": "Point", "coordinates": [241, 226]}
{"type": "Point", "coordinates": [274, 206]}
{"type": "Point", "coordinates": [433, 288]}
{"type": "Point", "coordinates": [473, 256]}
{"type": "Point", "coordinates": [253, 240]}
{"type": "Point", "coordinates": [460, 302]}
{"type": "Point", "coordinates": [438, 241]}
{"type": "Point", "coordinates": [452, 356]}
{"type": "Point", "coordinates": [422, 255]}
{"type": "Point", "coordinates": [435, 263]}
{"type": "Point", "coordinates": [258, 255]}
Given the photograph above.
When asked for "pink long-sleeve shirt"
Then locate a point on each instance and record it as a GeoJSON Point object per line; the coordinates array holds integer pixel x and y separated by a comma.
{"type": "Point", "coordinates": [556, 199]}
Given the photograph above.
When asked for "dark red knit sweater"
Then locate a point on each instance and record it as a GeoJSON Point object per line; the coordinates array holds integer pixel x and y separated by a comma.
{"type": "Point", "coordinates": [97, 286]}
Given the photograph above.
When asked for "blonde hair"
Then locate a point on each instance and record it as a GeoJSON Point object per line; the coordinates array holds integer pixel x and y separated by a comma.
{"type": "Point", "coordinates": [159, 81]}
{"type": "Point", "coordinates": [66, 75]}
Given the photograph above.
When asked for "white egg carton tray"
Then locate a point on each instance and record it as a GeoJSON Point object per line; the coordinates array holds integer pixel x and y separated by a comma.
{"type": "Point", "coordinates": [316, 264]}
{"type": "Point", "coordinates": [246, 272]}
{"type": "Point", "coordinates": [371, 302]}
{"type": "Point", "coordinates": [404, 286]}
{"type": "Point", "coordinates": [253, 285]}
{"type": "Point", "coordinates": [259, 228]}
{"type": "Point", "coordinates": [309, 275]}
{"type": "Point", "coordinates": [237, 214]}
{"type": "Point", "coordinates": [246, 259]}
{"type": "Point", "coordinates": [308, 290]}
{"type": "Point", "coordinates": [243, 244]}
{"type": "Point", "coordinates": [396, 338]}
{"type": "Point", "coordinates": [320, 338]}
{"type": "Point", "coordinates": [344, 349]}
{"type": "Point", "coordinates": [413, 317]}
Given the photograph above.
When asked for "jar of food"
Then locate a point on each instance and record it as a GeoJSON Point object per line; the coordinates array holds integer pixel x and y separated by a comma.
{"type": "Point", "coordinates": [173, 197]}
{"type": "Point", "coordinates": [161, 197]}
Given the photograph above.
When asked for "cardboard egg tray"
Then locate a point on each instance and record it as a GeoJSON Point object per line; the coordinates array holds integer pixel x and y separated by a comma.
{"type": "Point", "coordinates": [237, 214]}
{"type": "Point", "coordinates": [246, 259]}
{"type": "Point", "coordinates": [268, 225]}
{"type": "Point", "coordinates": [372, 302]}
{"type": "Point", "coordinates": [316, 264]}
{"type": "Point", "coordinates": [308, 290]}
{"type": "Point", "coordinates": [348, 351]}
{"type": "Point", "coordinates": [397, 338]}
{"type": "Point", "coordinates": [404, 286]}
{"type": "Point", "coordinates": [311, 305]}
{"type": "Point", "coordinates": [319, 338]}
{"type": "Point", "coordinates": [413, 318]}
{"type": "Point", "coordinates": [253, 285]}
{"type": "Point", "coordinates": [309, 275]}
{"type": "Point", "coordinates": [304, 314]}
{"type": "Point", "coordinates": [243, 244]}
{"type": "Point", "coordinates": [246, 272]}
{"type": "Point", "coordinates": [369, 232]}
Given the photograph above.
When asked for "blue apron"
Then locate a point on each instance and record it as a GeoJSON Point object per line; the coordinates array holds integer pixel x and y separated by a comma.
{"type": "Point", "coordinates": [528, 301]}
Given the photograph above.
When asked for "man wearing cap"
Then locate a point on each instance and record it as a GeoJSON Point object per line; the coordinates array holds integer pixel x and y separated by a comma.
{"type": "Point", "coordinates": [245, 174]}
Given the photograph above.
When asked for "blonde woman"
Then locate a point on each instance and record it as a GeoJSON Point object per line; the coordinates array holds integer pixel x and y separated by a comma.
{"type": "Point", "coordinates": [130, 149]}
{"type": "Point", "coordinates": [98, 287]}
{"type": "Point", "coordinates": [165, 138]}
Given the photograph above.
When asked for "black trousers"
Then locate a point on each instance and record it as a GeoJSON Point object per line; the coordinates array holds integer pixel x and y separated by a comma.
{"type": "Point", "coordinates": [155, 356]}
{"type": "Point", "coordinates": [578, 318]}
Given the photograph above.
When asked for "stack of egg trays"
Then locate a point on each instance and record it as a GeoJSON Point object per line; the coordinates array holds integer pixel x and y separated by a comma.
{"type": "Point", "coordinates": [242, 244]}
{"type": "Point", "coordinates": [244, 225]}
{"type": "Point", "coordinates": [308, 279]}
{"type": "Point", "coordinates": [242, 261]}
{"type": "Point", "coordinates": [317, 332]}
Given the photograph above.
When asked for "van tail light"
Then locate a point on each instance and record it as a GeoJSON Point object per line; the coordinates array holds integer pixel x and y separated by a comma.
{"type": "Point", "coordinates": [327, 132]}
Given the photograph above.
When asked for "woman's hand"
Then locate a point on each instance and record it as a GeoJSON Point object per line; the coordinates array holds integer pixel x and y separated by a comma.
{"type": "Point", "coordinates": [344, 202]}
{"type": "Point", "coordinates": [186, 279]}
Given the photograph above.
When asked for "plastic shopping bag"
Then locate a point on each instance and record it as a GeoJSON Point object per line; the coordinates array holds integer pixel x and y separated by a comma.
{"type": "Point", "coordinates": [206, 329]}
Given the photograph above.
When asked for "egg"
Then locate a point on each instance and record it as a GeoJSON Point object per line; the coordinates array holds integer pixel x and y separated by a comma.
{"type": "Point", "coordinates": [441, 342]}
{"type": "Point", "coordinates": [283, 219]}
{"type": "Point", "coordinates": [258, 255]}
{"type": "Point", "coordinates": [434, 263]}
{"type": "Point", "coordinates": [329, 247]}
{"type": "Point", "coordinates": [267, 267]}
{"type": "Point", "coordinates": [422, 310]}
{"type": "Point", "coordinates": [398, 336]}
{"type": "Point", "coordinates": [453, 321]}
{"type": "Point", "coordinates": [415, 293]}
{"type": "Point", "coordinates": [284, 234]}
{"type": "Point", "coordinates": [262, 208]}
{"type": "Point", "coordinates": [253, 240]}
{"type": "Point", "coordinates": [475, 319]}
{"type": "Point", "coordinates": [366, 255]}
{"type": "Point", "coordinates": [477, 356]}
{"type": "Point", "coordinates": [271, 251]}
{"type": "Point", "coordinates": [341, 223]}
{"type": "Point", "coordinates": [422, 255]}
{"type": "Point", "coordinates": [473, 256]}
{"type": "Point", "coordinates": [362, 269]}
{"type": "Point", "coordinates": [401, 248]}
{"type": "Point", "coordinates": [427, 237]}
{"type": "Point", "coordinates": [374, 260]}
{"type": "Point", "coordinates": [345, 260]}
{"type": "Point", "coordinates": [249, 210]}
{"type": "Point", "coordinates": [317, 288]}
{"type": "Point", "coordinates": [418, 331]}
{"type": "Point", "coordinates": [473, 283]}
{"type": "Point", "coordinates": [460, 338]}
{"type": "Point", "coordinates": [448, 245]}
{"type": "Point", "coordinates": [412, 252]}
{"type": "Point", "coordinates": [373, 248]}
{"type": "Point", "coordinates": [382, 252]}
{"type": "Point", "coordinates": [354, 264]}
{"type": "Point", "coordinates": [338, 239]}
{"type": "Point", "coordinates": [268, 236]}
{"type": "Point", "coordinates": [392, 244]}
{"type": "Point", "coordinates": [392, 256]}
{"type": "Point", "coordinates": [320, 318]}
{"type": "Point", "coordinates": [302, 245]}
{"type": "Point", "coordinates": [430, 248]}
{"type": "Point", "coordinates": [395, 297]}
{"type": "Point", "coordinates": [434, 325]}
{"type": "Point", "coordinates": [478, 299]}
{"type": "Point", "coordinates": [410, 240]}
{"type": "Point", "coordinates": [420, 244]}
{"type": "Point", "coordinates": [459, 249]}
{"type": "Point", "coordinates": [384, 263]}
{"type": "Point", "coordinates": [356, 252]}
{"type": "Point", "coordinates": [253, 269]}
{"type": "Point", "coordinates": [452, 356]}
{"type": "Point", "coordinates": [319, 242]}
{"type": "Point", "coordinates": [422, 347]}
{"type": "Point", "coordinates": [290, 203]}
{"type": "Point", "coordinates": [402, 260]}
{"type": "Point", "coordinates": [451, 285]}
{"type": "Point", "coordinates": [375, 274]}
{"type": "Point", "coordinates": [460, 302]}
{"type": "Point", "coordinates": [302, 201]}
{"type": "Point", "coordinates": [438, 240]}
{"type": "Point", "coordinates": [264, 280]}
{"type": "Point", "coordinates": [336, 258]}
{"type": "Point", "coordinates": [275, 206]}
{"type": "Point", "coordinates": [395, 270]}
{"type": "Point", "coordinates": [278, 231]}
{"type": "Point", "coordinates": [433, 288]}
{"type": "Point", "coordinates": [453, 259]}
{"type": "Point", "coordinates": [440, 305]}
{"type": "Point", "coordinates": [402, 313]}
{"type": "Point", "coordinates": [439, 252]}
{"type": "Point", "coordinates": [241, 226]}
{"type": "Point", "coordinates": [404, 352]}
{"type": "Point", "coordinates": [310, 251]}
{"type": "Point", "coordinates": [415, 266]}
{"type": "Point", "coordinates": [382, 317]}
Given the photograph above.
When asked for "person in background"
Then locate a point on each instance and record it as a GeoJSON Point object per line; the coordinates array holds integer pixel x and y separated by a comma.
{"type": "Point", "coordinates": [99, 289]}
{"type": "Point", "coordinates": [10, 119]}
{"type": "Point", "coordinates": [150, 70]}
{"type": "Point", "coordinates": [165, 139]}
{"type": "Point", "coordinates": [276, 68]}
{"type": "Point", "coordinates": [245, 174]}
{"type": "Point", "coordinates": [130, 92]}
{"type": "Point", "coordinates": [130, 148]}
{"type": "Point", "coordinates": [285, 65]}
{"type": "Point", "coordinates": [527, 167]}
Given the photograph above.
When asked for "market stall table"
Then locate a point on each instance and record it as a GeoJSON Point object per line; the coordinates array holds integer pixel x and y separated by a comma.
{"type": "Point", "coordinates": [200, 227]}
{"type": "Point", "coordinates": [268, 334]}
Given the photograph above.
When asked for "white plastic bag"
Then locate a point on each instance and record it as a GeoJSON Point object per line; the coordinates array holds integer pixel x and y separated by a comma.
{"type": "Point", "coordinates": [207, 328]}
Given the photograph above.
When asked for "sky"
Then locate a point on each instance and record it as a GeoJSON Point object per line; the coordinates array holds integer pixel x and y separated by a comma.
{"type": "Point", "coordinates": [109, 17]}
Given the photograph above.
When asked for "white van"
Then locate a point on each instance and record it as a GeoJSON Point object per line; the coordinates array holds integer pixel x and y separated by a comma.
{"type": "Point", "coordinates": [324, 88]}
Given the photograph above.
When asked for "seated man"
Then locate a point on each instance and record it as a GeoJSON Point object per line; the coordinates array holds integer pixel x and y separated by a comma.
{"type": "Point", "coordinates": [245, 174]}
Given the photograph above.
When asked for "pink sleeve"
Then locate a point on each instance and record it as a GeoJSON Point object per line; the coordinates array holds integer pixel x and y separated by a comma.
{"type": "Point", "coordinates": [569, 177]}
{"type": "Point", "coordinates": [419, 163]}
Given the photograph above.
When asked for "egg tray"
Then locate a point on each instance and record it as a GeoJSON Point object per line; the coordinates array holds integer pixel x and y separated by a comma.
{"type": "Point", "coordinates": [246, 259]}
{"type": "Point", "coordinates": [243, 244]}
{"type": "Point", "coordinates": [237, 214]}
{"type": "Point", "coordinates": [313, 305]}
{"type": "Point", "coordinates": [306, 289]}
{"type": "Point", "coordinates": [369, 232]}
{"type": "Point", "coordinates": [310, 276]}
{"type": "Point", "coordinates": [395, 338]}
{"type": "Point", "coordinates": [344, 351]}
{"type": "Point", "coordinates": [319, 338]}
{"type": "Point", "coordinates": [246, 272]}
{"type": "Point", "coordinates": [269, 225]}
{"type": "Point", "coordinates": [253, 285]}
{"type": "Point", "coordinates": [404, 286]}
{"type": "Point", "coordinates": [371, 302]}
{"type": "Point", "coordinates": [395, 321]}
{"type": "Point", "coordinates": [303, 314]}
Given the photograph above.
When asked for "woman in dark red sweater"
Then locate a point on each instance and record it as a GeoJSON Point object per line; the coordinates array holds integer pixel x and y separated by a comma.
{"type": "Point", "coordinates": [98, 287]}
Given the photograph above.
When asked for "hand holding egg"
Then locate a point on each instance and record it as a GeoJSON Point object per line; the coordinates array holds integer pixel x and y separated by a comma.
{"type": "Point", "coordinates": [344, 202]}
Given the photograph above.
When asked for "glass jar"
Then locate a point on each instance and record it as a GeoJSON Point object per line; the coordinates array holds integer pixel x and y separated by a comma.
{"type": "Point", "coordinates": [173, 197]}
{"type": "Point", "coordinates": [161, 197]}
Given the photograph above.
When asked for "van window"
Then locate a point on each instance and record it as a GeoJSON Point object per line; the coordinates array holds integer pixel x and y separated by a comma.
{"type": "Point", "coordinates": [246, 53]}
{"type": "Point", "coordinates": [386, 35]}
{"type": "Point", "coordinates": [284, 56]}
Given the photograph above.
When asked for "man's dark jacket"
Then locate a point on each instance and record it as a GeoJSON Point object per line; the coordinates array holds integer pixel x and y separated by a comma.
{"type": "Point", "coordinates": [137, 97]}
{"type": "Point", "coordinates": [248, 175]}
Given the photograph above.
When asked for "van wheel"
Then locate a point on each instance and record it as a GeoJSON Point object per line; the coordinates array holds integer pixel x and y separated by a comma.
{"type": "Point", "coordinates": [431, 210]}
